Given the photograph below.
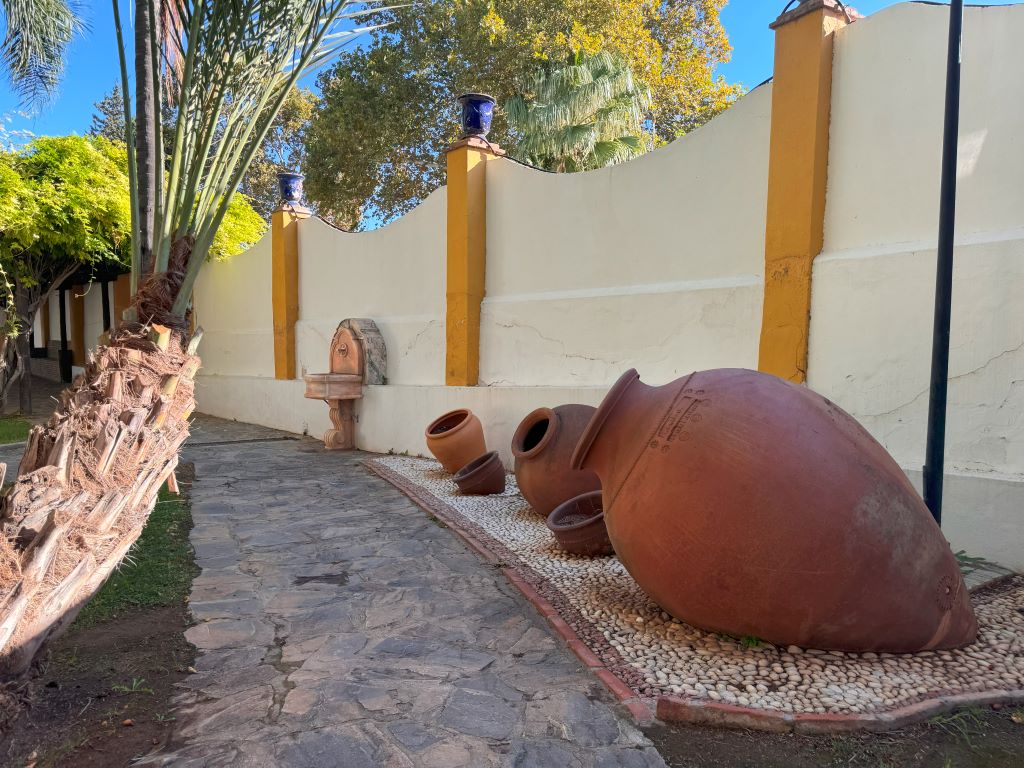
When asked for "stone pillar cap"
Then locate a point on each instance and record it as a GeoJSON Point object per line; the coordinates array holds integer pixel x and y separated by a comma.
{"type": "Point", "coordinates": [476, 142]}
{"type": "Point", "coordinates": [298, 210]}
{"type": "Point", "coordinates": [808, 6]}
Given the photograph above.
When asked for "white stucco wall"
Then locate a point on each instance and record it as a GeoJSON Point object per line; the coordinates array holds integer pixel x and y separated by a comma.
{"type": "Point", "coordinates": [394, 275]}
{"type": "Point", "coordinates": [234, 306]}
{"type": "Point", "coordinates": [873, 286]}
{"type": "Point", "coordinates": [37, 329]}
{"type": "Point", "coordinates": [93, 313]}
{"type": "Point", "coordinates": [657, 263]}
{"type": "Point", "coordinates": [55, 316]}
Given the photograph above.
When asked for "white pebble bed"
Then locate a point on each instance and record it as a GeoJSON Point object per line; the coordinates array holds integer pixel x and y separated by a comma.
{"type": "Point", "coordinates": [667, 656]}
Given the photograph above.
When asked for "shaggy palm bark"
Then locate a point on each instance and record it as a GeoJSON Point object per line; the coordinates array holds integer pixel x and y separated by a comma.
{"type": "Point", "coordinates": [89, 477]}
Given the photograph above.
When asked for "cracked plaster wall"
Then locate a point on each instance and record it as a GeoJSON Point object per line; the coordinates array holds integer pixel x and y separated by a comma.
{"type": "Point", "coordinates": [656, 264]}
{"type": "Point", "coordinates": [873, 285]}
{"type": "Point", "coordinates": [394, 275]}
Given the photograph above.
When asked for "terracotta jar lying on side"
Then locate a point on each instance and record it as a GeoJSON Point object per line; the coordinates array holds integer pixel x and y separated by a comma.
{"type": "Point", "coordinates": [483, 476]}
{"type": "Point", "coordinates": [456, 438]}
{"type": "Point", "coordinates": [745, 504]}
{"type": "Point", "coordinates": [542, 445]}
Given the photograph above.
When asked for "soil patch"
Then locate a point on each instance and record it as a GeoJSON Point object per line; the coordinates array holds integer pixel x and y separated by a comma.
{"type": "Point", "coordinates": [972, 738]}
{"type": "Point", "coordinates": [98, 678]}
{"type": "Point", "coordinates": [103, 696]}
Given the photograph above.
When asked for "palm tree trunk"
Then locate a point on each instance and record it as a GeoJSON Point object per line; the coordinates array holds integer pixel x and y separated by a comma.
{"type": "Point", "coordinates": [87, 483]}
{"type": "Point", "coordinates": [147, 123]}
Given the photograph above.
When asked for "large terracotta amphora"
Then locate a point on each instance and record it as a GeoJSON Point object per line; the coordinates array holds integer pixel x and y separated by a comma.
{"type": "Point", "coordinates": [542, 446]}
{"type": "Point", "coordinates": [745, 504]}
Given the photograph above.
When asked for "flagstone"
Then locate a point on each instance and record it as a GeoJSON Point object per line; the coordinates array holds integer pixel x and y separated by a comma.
{"type": "Point", "coordinates": [337, 625]}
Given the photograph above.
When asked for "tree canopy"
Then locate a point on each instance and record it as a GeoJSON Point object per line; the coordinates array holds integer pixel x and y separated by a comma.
{"type": "Point", "coordinates": [282, 150]}
{"type": "Point", "coordinates": [387, 108]}
{"type": "Point", "coordinates": [73, 205]}
{"type": "Point", "coordinates": [108, 120]}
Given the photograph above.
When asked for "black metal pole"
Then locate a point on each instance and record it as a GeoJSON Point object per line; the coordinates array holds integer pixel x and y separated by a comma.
{"type": "Point", "coordinates": [935, 450]}
{"type": "Point", "coordinates": [105, 293]}
{"type": "Point", "coordinates": [63, 321]}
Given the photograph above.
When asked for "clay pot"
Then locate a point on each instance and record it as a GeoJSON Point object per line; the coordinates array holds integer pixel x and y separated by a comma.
{"type": "Point", "coordinates": [455, 439]}
{"type": "Point", "coordinates": [482, 476]}
{"type": "Point", "coordinates": [745, 504]}
{"type": "Point", "coordinates": [542, 445]}
{"type": "Point", "coordinates": [578, 525]}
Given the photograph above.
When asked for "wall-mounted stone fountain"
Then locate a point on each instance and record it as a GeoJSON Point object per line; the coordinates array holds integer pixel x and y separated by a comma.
{"type": "Point", "coordinates": [357, 357]}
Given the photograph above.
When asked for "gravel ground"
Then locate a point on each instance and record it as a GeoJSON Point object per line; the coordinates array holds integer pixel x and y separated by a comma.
{"type": "Point", "coordinates": [656, 654]}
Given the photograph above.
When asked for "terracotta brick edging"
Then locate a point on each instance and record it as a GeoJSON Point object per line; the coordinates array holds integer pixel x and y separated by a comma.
{"type": "Point", "coordinates": [703, 712]}
{"type": "Point", "coordinates": [680, 709]}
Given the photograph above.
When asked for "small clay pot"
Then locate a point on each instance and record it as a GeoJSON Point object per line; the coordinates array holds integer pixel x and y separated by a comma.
{"type": "Point", "coordinates": [484, 475]}
{"type": "Point", "coordinates": [578, 525]}
{"type": "Point", "coordinates": [542, 445]}
{"type": "Point", "coordinates": [456, 438]}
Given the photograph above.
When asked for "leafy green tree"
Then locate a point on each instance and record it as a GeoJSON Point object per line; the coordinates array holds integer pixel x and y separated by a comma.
{"type": "Point", "coordinates": [387, 108]}
{"type": "Point", "coordinates": [75, 210]}
{"type": "Point", "coordinates": [64, 203]}
{"type": "Point", "coordinates": [283, 150]}
{"type": "Point", "coordinates": [582, 114]}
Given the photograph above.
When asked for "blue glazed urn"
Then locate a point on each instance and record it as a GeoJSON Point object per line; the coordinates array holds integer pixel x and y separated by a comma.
{"type": "Point", "coordinates": [477, 111]}
{"type": "Point", "coordinates": [291, 186]}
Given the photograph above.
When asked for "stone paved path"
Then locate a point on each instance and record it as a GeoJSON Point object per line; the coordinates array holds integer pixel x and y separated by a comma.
{"type": "Point", "coordinates": [338, 625]}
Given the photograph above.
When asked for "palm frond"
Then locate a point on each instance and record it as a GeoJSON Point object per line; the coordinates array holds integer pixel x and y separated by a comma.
{"type": "Point", "coordinates": [228, 65]}
{"type": "Point", "coordinates": [35, 43]}
{"type": "Point", "coordinates": [582, 114]}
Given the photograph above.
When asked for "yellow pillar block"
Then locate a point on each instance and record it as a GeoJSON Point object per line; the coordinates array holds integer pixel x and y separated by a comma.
{"type": "Point", "coordinates": [285, 275]}
{"type": "Point", "coordinates": [797, 176]}
{"type": "Point", "coordinates": [467, 257]}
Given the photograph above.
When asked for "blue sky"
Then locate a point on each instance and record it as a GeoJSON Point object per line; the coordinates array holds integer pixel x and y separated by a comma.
{"type": "Point", "coordinates": [92, 68]}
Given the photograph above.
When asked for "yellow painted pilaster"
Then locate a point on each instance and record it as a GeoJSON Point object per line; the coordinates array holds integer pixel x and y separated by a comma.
{"type": "Point", "coordinates": [285, 275]}
{"type": "Point", "coordinates": [122, 298]}
{"type": "Point", "coordinates": [797, 176]}
{"type": "Point", "coordinates": [467, 257]}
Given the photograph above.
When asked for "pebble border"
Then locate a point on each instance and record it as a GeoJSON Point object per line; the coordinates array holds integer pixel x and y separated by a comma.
{"type": "Point", "coordinates": [622, 680]}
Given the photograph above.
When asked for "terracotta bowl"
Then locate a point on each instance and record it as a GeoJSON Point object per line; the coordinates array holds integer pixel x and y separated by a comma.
{"type": "Point", "coordinates": [578, 525]}
{"type": "Point", "coordinates": [484, 475]}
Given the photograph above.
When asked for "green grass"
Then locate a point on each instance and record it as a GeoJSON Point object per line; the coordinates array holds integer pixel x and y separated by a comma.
{"type": "Point", "coordinates": [13, 429]}
{"type": "Point", "coordinates": [157, 571]}
{"type": "Point", "coordinates": [137, 685]}
{"type": "Point", "coordinates": [964, 725]}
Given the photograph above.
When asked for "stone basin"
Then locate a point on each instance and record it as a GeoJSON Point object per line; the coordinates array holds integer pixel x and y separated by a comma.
{"type": "Point", "coordinates": [333, 386]}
